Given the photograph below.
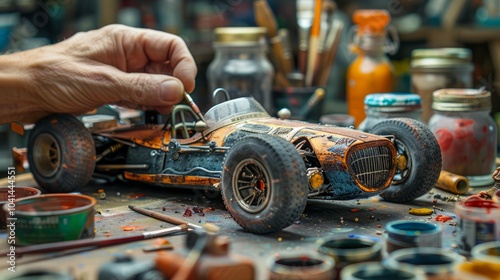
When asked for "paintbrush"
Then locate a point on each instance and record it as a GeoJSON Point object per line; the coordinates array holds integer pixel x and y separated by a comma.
{"type": "Point", "coordinates": [264, 17]}
{"type": "Point", "coordinates": [316, 97]}
{"type": "Point", "coordinates": [305, 14]}
{"type": "Point", "coordinates": [194, 106]}
{"type": "Point", "coordinates": [313, 43]}
{"type": "Point", "coordinates": [162, 217]}
{"type": "Point", "coordinates": [96, 242]}
{"type": "Point", "coordinates": [331, 42]}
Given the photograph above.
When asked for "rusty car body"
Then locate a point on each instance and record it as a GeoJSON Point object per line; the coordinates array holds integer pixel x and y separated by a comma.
{"type": "Point", "coordinates": [266, 168]}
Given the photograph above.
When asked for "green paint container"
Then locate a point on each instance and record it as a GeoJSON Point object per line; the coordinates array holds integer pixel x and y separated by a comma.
{"type": "Point", "coordinates": [54, 217]}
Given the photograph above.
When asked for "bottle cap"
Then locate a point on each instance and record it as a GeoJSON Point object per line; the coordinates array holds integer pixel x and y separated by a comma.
{"type": "Point", "coordinates": [239, 35]}
{"type": "Point", "coordinates": [371, 21]}
{"type": "Point", "coordinates": [441, 57]}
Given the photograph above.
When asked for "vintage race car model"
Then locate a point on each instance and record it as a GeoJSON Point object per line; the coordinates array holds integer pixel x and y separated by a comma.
{"type": "Point", "coordinates": [266, 168]}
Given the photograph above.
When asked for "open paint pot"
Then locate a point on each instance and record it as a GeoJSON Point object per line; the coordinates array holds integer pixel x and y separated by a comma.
{"type": "Point", "coordinates": [347, 251]}
{"type": "Point", "coordinates": [478, 221]}
{"type": "Point", "coordinates": [379, 271]}
{"type": "Point", "coordinates": [8, 195]}
{"type": "Point", "coordinates": [408, 234]}
{"type": "Point", "coordinates": [487, 252]}
{"type": "Point", "coordinates": [54, 217]}
{"type": "Point", "coordinates": [437, 263]}
{"type": "Point", "coordinates": [311, 266]}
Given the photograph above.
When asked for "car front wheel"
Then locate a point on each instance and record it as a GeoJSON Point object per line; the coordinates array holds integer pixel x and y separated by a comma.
{"type": "Point", "coordinates": [264, 185]}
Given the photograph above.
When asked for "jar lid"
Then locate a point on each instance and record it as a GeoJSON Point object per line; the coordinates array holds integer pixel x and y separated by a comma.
{"type": "Point", "coordinates": [458, 99]}
{"type": "Point", "coordinates": [441, 57]}
{"type": "Point", "coordinates": [393, 99]}
{"type": "Point", "coordinates": [239, 35]}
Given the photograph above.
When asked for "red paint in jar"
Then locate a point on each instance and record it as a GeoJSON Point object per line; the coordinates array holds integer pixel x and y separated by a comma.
{"type": "Point", "coordinates": [466, 133]}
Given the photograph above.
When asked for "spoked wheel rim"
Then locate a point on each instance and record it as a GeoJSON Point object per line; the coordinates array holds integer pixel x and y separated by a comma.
{"type": "Point", "coordinates": [47, 155]}
{"type": "Point", "coordinates": [401, 174]}
{"type": "Point", "coordinates": [251, 185]}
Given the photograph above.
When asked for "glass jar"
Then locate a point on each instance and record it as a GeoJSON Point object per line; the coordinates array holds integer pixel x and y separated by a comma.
{"type": "Point", "coordinates": [434, 69]}
{"type": "Point", "coordinates": [371, 71]}
{"type": "Point", "coordinates": [382, 106]}
{"type": "Point", "coordinates": [240, 64]}
{"type": "Point", "coordinates": [466, 133]}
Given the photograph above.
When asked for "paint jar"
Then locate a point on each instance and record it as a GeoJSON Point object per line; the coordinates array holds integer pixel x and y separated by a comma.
{"type": "Point", "coordinates": [347, 251]}
{"type": "Point", "coordinates": [8, 194]}
{"type": "Point", "coordinates": [371, 71]}
{"type": "Point", "coordinates": [433, 69]}
{"type": "Point", "coordinates": [466, 133]}
{"type": "Point", "coordinates": [383, 106]}
{"type": "Point", "coordinates": [478, 221]}
{"type": "Point", "coordinates": [437, 263]}
{"type": "Point", "coordinates": [240, 64]}
{"type": "Point", "coordinates": [488, 252]}
{"type": "Point", "coordinates": [54, 217]}
{"type": "Point", "coordinates": [477, 270]}
{"type": "Point", "coordinates": [377, 270]}
{"type": "Point", "coordinates": [310, 266]}
{"type": "Point", "coordinates": [408, 234]}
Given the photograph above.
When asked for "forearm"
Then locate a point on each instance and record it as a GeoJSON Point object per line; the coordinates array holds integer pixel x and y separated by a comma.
{"type": "Point", "coordinates": [17, 102]}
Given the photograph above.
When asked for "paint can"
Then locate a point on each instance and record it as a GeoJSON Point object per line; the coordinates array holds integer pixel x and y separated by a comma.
{"type": "Point", "coordinates": [346, 251]}
{"type": "Point", "coordinates": [54, 217]}
{"type": "Point", "coordinates": [310, 266]}
{"type": "Point", "coordinates": [478, 221]}
{"type": "Point", "coordinates": [377, 270]}
{"type": "Point", "coordinates": [408, 234]}
{"type": "Point", "coordinates": [487, 252]}
{"type": "Point", "coordinates": [9, 194]}
{"type": "Point", "coordinates": [437, 263]}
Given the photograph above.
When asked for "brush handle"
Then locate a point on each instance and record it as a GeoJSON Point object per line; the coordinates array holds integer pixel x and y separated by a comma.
{"type": "Point", "coordinates": [163, 217]}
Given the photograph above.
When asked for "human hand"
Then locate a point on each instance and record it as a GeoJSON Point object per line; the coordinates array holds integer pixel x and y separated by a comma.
{"type": "Point", "coordinates": [137, 68]}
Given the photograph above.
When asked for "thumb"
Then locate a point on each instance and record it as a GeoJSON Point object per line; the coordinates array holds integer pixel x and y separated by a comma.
{"type": "Point", "coordinates": [149, 89]}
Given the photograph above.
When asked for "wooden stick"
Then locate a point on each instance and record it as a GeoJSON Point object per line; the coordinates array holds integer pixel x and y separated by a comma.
{"type": "Point", "coordinates": [313, 43]}
{"type": "Point", "coordinates": [163, 217]}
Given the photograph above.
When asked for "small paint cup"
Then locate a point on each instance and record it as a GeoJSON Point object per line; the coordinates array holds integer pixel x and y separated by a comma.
{"type": "Point", "coordinates": [437, 263]}
{"type": "Point", "coordinates": [301, 266]}
{"type": "Point", "coordinates": [379, 271]}
{"type": "Point", "coordinates": [347, 251]}
{"type": "Point", "coordinates": [487, 252]}
{"type": "Point", "coordinates": [408, 234]}
{"type": "Point", "coordinates": [9, 195]}
{"type": "Point", "coordinates": [478, 221]}
{"type": "Point", "coordinates": [53, 217]}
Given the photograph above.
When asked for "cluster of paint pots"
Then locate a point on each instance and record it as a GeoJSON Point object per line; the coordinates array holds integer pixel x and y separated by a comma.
{"type": "Point", "coordinates": [412, 250]}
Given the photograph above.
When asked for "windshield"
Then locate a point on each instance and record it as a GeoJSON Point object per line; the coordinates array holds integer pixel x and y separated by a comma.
{"type": "Point", "coordinates": [235, 108]}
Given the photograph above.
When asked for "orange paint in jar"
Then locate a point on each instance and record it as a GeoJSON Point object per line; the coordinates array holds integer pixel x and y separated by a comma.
{"type": "Point", "coordinates": [371, 71]}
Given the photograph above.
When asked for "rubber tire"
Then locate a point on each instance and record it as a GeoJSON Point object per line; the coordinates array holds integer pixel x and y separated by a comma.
{"type": "Point", "coordinates": [288, 188]}
{"type": "Point", "coordinates": [425, 158]}
{"type": "Point", "coordinates": [76, 153]}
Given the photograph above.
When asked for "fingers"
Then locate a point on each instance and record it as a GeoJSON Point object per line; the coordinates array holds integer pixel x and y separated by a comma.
{"type": "Point", "coordinates": [138, 48]}
{"type": "Point", "coordinates": [163, 47]}
{"type": "Point", "coordinates": [148, 90]}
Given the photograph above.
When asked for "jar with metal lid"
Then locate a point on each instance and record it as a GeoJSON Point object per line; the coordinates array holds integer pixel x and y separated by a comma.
{"type": "Point", "coordinates": [382, 106]}
{"type": "Point", "coordinates": [466, 133]}
{"type": "Point", "coordinates": [240, 64]}
{"type": "Point", "coordinates": [433, 69]}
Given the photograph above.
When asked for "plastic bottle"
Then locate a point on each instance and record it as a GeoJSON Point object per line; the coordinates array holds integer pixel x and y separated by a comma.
{"type": "Point", "coordinates": [371, 71]}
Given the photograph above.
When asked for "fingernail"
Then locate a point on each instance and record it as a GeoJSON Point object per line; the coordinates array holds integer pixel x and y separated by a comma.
{"type": "Point", "coordinates": [171, 91]}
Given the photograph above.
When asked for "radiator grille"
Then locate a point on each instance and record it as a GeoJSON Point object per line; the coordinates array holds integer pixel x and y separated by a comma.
{"type": "Point", "coordinates": [372, 166]}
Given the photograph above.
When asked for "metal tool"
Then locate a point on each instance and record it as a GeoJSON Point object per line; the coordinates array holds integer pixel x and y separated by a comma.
{"type": "Point", "coordinates": [194, 106]}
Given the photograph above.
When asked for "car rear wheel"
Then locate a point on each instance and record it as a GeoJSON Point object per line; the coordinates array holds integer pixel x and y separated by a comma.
{"type": "Point", "coordinates": [419, 158]}
{"type": "Point", "coordinates": [264, 185]}
{"type": "Point", "coordinates": [61, 153]}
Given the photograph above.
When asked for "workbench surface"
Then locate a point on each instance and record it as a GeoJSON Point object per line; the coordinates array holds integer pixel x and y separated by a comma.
{"type": "Point", "coordinates": [321, 220]}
